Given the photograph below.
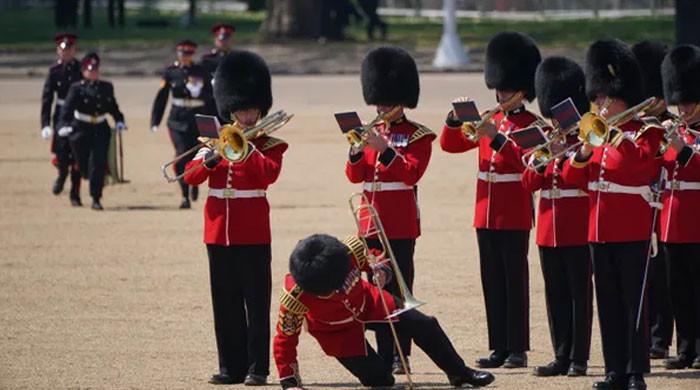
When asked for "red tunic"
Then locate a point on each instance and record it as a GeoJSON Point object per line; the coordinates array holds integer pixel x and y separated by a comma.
{"type": "Point", "coordinates": [337, 322]}
{"type": "Point", "coordinates": [680, 216]}
{"type": "Point", "coordinates": [500, 205]}
{"type": "Point", "coordinates": [629, 161]}
{"type": "Point", "coordinates": [404, 163]}
{"type": "Point", "coordinates": [239, 221]}
{"type": "Point", "coordinates": [562, 214]}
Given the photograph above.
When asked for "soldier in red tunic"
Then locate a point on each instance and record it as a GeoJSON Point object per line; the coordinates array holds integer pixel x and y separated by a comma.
{"type": "Point", "coordinates": [325, 287]}
{"type": "Point", "coordinates": [237, 223]}
{"type": "Point", "coordinates": [504, 211]}
{"type": "Point", "coordinates": [680, 236]}
{"type": "Point", "coordinates": [562, 226]}
{"type": "Point", "coordinates": [394, 159]}
{"type": "Point", "coordinates": [618, 175]}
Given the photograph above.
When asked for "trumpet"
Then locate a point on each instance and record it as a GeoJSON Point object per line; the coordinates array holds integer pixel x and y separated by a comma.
{"type": "Point", "coordinates": [470, 129]}
{"type": "Point", "coordinates": [232, 143]}
{"type": "Point", "coordinates": [354, 136]}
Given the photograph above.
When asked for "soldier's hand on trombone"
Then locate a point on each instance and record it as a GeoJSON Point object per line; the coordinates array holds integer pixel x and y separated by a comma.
{"type": "Point", "coordinates": [488, 129]}
{"type": "Point", "coordinates": [676, 142]}
{"type": "Point", "coordinates": [375, 141]}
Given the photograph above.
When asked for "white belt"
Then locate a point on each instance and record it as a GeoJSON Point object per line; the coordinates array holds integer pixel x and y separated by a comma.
{"type": "Point", "coordinates": [93, 119]}
{"type": "Point", "coordinates": [678, 185]}
{"type": "Point", "coordinates": [230, 193]}
{"type": "Point", "coordinates": [499, 177]}
{"type": "Point", "coordinates": [643, 191]}
{"type": "Point", "coordinates": [60, 102]}
{"type": "Point", "coordinates": [556, 193]}
{"type": "Point", "coordinates": [189, 103]}
{"type": "Point", "coordinates": [386, 186]}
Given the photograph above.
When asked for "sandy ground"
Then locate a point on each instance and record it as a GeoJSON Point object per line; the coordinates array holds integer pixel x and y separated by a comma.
{"type": "Point", "coordinates": [120, 299]}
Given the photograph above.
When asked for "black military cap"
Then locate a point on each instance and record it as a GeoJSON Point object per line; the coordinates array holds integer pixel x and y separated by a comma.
{"type": "Point", "coordinates": [649, 55]}
{"type": "Point", "coordinates": [186, 46]}
{"type": "Point", "coordinates": [390, 78]}
{"type": "Point", "coordinates": [612, 70]}
{"type": "Point", "coordinates": [223, 30]}
{"type": "Point", "coordinates": [65, 40]}
{"type": "Point", "coordinates": [242, 81]}
{"type": "Point", "coordinates": [681, 75]}
{"type": "Point", "coordinates": [559, 78]}
{"type": "Point", "coordinates": [91, 61]}
{"type": "Point", "coordinates": [319, 264]}
{"type": "Point", "coordinates": [511, 61]}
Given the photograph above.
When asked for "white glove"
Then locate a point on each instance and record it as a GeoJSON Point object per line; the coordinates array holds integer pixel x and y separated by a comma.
{"type": "Point", "coordinates": [154, 129]}
{"type": "Point", "coordinates": [195, 87]}
{"type": "Point", "coordinates": [65, 131]}
{"type": "Point", "coordinates": [46, 132]}
{"type": "Point", "coordinates": [120, 126]}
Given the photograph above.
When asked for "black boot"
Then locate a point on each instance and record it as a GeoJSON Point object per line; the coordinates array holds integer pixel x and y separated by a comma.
{"type": "Point", "coordinates": [678, 362]}
{"type": "Point", "coordinates": [60, 182]}
{"type": "Point", "coordinates": [194, 193]}
{"type": "Point", "coordinates": [555, 368]}
{"type": "Point", "coordinates": [636, 382]}
{"type": "Point", "coordinates": [75, 188]}
{"type": "Point", "coordinates": [611, 382]}
{"type": "Point", "coordinates": [472, 377]}
{"type": "Point", "coordinates": [577, 369]}
{"type": "Point", "coordinates": [96, 204]}
{"type": "Point", "coordinates": [224, 379]}
{"type": "Point", "coordinates": [494, 360]}
{"type": "Point", "coordinates": [185, 204]}
{"type": "Point", "coordinates": [516, 360]}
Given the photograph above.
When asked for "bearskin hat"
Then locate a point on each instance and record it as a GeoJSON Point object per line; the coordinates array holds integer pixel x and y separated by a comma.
{"type": "Point", "coordinates": [242, 81]}
{"type": "Point", "coordinates": [681, 75]}
{"type": "Point", "coordinates": [649, 55]}
{"type": "Point", "coordinates": [612, 70]}
{"type": "Point", "coordinates": [511, 61]}
{"type": "Point", "coordinates": [390, 77]}
{"type": "Point", "coordinates": [319, 264]}
{"type": "Point", "coordinates": [559, 78]}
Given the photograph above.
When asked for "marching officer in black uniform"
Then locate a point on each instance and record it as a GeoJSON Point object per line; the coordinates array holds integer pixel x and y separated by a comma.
{"type": "Point", "coordinates": [84, 123]}
{"type": "Point", "coordinates": [61, 75]}
{"type": "Point", "coordinates": [223, 37]}
{"type": "Point", "coordinates": [190, 86]}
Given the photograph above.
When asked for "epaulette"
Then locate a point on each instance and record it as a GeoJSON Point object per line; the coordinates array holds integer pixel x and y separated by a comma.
{"type": "Point", "coordinates": [647, 124]}
{"type": "Point", "coordinates": [357, 249]}
{"type": "Point", "coordinates": [421, 131]}
{"type": "Point", "coordinates": [271, 143]}
{"type": "Point", "coordinates": [290, 300]}
{"type": "Point", "coordinates": [291, 320]}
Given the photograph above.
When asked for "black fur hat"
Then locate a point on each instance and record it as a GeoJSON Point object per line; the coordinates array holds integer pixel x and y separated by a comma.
{"type": "Point", "coordinates": [612, 70]}
{"type": "Point", "coordinates": [242, 81]}
{"type": "Point", "coordinates": [390, 77]}
{"type": "Point", "coordinates": [681, 75]}
{"type": "Point", "coordinates": [649, 55]}
{"type": "Point", "coordinates": [511, 61]}
{"type": "Point", "coordinates": [559, 78]}
{"type": "Point", "coordinates": [319, 264]}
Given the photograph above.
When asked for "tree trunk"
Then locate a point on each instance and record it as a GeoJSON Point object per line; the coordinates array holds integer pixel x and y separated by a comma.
{"type": "Point", "coordinates": [87, 13]}
{"type": "Point", "coordinates": [192, 12]}
{"type": "Point", "coordinates": [293, 19]}
{"type": "Point", "coordinates": [687, 26]}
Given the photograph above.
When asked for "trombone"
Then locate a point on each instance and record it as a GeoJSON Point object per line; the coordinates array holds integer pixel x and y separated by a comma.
{"type": "Point", "coordinates": [354, 136]}
{"type": "Point", "coordinates": [232, 143]}
{"type": "Point", "coordinates": [470, 129]}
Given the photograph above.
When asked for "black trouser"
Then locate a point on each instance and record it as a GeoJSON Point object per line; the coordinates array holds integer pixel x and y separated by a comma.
{"type": "Point", "coordinates": [569, 293]}
{"type": "Point", "coordinates": [505, 281]}
{"type": "Point", "coordinates": [183, 141]}
{"type": "Point", "coordinates": [403, 251]}
{"type": "Point", "coordinates": [619, 274]}
{"type": "Point", "coordinates": [373, 370]}
{"type": "Point", "coordinates": [241, 279]}
{"type": "Point", "coordinates": [90, 144]}
{"type": "Point", "coordinates": [373, 21]}
{"type": "Point", "coordinates": [60, 147]}
{"type": "Point", "coordinates": [660, 311]}
{"type": "Point", "coordinates": [683, 262]}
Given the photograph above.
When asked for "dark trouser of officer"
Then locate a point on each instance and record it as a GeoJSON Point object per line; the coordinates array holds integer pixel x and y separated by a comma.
{"type": "Point", "coordinates": [65, 164]}
{"type": "Point", "coordinates": [373, 21]}
{"type": "Point", "coordinates": [505, 281]}
{"type": "Point", "coordinates": [183, 141]}
{"type": "Point", "coordinates": [619, 275]}
{"type": "Point", "coordinates": [403, 251]}
{"type": "Point", "coordinates": [683, 262]}
{"type": "Point", "coordinates": [90, 145]}
{"type": "Point", "coordinates": [241, 280]}
{"type": "Point", "coordinates": [372, 370]}
{"type": "Point", "coordinates": [569, 294]}
{"type": "Point", "coordinates": [660, 311]}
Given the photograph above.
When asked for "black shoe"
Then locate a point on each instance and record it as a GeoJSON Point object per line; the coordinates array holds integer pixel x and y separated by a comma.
{"type": "Point", "coordinates": [494, 360]}
{"type": "Point", "coordinates": [255, 379]}
{"type": "Point", "coordinates": [516, 360]}
{"type": "Point", "coordinates": [636, 382]}
{"type": "Point", "coordinates": [397, 366]}
{"type": "Point", "coordinates": [678, 362]}
{"type": "Point", "coordinates": [75, 202]}
{"type": "Point", "coordinates": [223, 379]}
{"type": "Point", "coordinates": [577, 369]}
{"type": "Point", "coordinates": [96, 205]}
{"type": "Point", "coordinates": [185, 204]}
{"type": "Point", "coordinates": [58, 184]}
{"type": "Point", "coordinates": [658, 353]}
{"type": "Point", "coordinates": [696, 363]}
{"type": "Point", "coordinates": [554, 368]}
{"type": "Point", "coordinates": [194, 193]}
{"type": "Point", "coordinates": [611, 382]}
{"type": "Point", "coordinates": [472, 377]}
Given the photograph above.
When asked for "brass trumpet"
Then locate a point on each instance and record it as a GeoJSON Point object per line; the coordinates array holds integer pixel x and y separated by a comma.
{"type": "Point", "coordinates": [232, 143]}
{"type": "Point", "coordinates": [354, 136]}
{"type": "Point", "coordinates": [470, 129]}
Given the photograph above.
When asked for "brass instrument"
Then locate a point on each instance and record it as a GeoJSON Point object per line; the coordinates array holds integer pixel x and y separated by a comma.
{"type": "Point", "coordinates": [232, 143]}
{"type": "Point", "coordinates": [354, 136]}
{"type": "Point", "coordinates": [470, 129]}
